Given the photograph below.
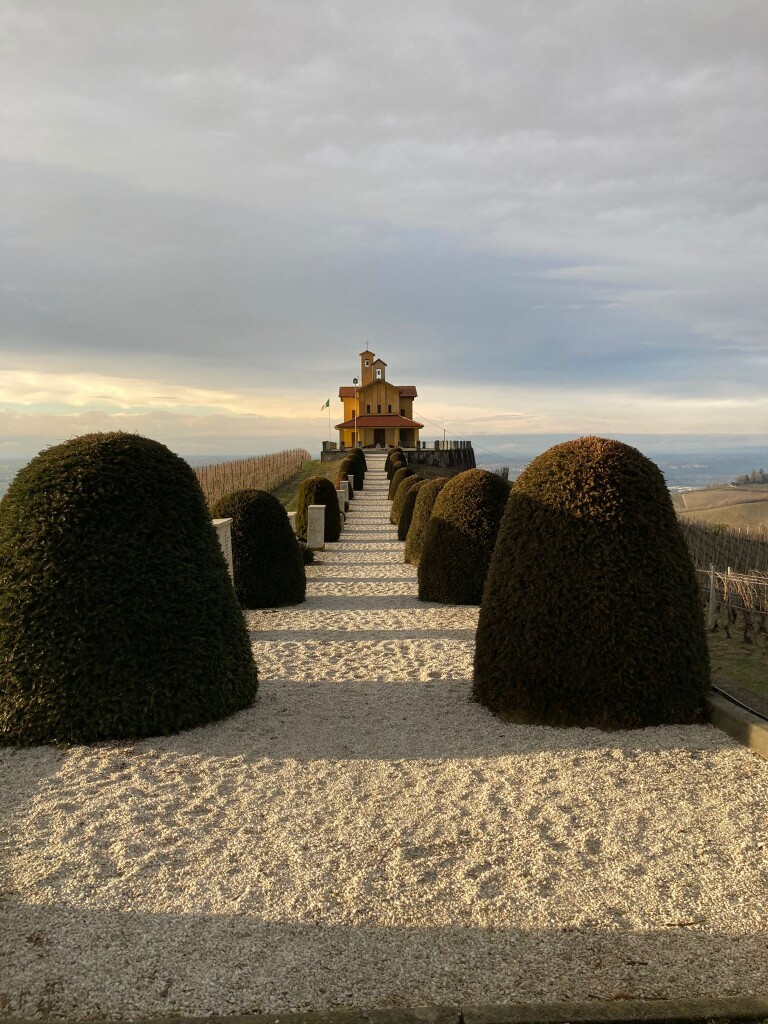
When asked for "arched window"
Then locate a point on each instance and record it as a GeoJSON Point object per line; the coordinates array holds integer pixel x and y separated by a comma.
{"type": "Point", "coordinates": [378, 374]}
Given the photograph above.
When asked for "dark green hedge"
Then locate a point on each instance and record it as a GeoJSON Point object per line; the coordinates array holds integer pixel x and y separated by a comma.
{"type": "Point", "coordinates": [118, 618]}
{"type": "Point", "coordinates": [394, 483]}
{"type": "Point", "coordinates": [409, 504]}
{"type": "Point", "coordinates": [591, 614]}
{"type": "Point", "coordinates": [398, 462]}
{"type": "Point", "coordinates": [266, 558]}
{"type": "Point", "coordinates": [318, 490]}
{"type": "Point", "coordinates": [460, 537]}
{"type": "Point", "coordinates": [422, 510]}
{"type": "Point", "coordinates": [392, 454]}
{"type": "Point", "coordinates": [361, 456]}
{"type": "Point", "coordinates": [345, 473]}
{"type": "Point", "coordinates": [352, 468]}
{"type": "Point", "coordinates": [399, 499]}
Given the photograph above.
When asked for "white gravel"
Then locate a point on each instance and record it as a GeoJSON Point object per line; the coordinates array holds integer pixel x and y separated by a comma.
{"type": "Point", "coordinates": [367, 836]}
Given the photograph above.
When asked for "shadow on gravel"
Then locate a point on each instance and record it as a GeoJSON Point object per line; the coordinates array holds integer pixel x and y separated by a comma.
{"type": "Point", "coordinates": [363, 602]}
{"type": "Point", "coordinates": [348, 719]}
{"type": "Point", "coordinates": [291, 634]}
{"type": "Point", "coordinates": [74, 964]}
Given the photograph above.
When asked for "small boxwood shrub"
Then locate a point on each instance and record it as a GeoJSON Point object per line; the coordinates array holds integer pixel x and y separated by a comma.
{"type": "Point", "coordinates": [399, 499]}
{"type": "Point", "coordinates": [422, 511]}
{"type": "Point", "coordinates": [267, 564]}
{"type": "Point", "coordinates": [591, 613]}
{"type": "Point", "coordinates": [460, 537]}
{"type": "Point", "coordinates": [318, 490]}
{"type": "Point", "coordinates": [409, 504]}
{"type": "Point", "coordinates": [394, 483]}
{"type": "Point", "coordinates": [118, 618]}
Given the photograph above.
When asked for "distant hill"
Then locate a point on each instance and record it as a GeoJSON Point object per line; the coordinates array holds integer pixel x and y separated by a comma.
{"type": "Point", "coordinates": [728, 504]}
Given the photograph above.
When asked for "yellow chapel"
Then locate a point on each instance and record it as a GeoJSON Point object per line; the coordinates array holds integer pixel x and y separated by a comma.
{"type": "Point", "coordinates": [377, 413]}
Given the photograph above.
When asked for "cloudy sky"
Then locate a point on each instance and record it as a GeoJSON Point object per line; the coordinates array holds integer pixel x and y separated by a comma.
{"type": "Point", "coordinates": [549, 215]}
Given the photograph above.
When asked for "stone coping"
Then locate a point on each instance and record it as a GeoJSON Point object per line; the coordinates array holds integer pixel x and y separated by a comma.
{"type": "Point", "coordinates": [742, 726]}
{"type": "Point", "coordinates": [626, 1011]}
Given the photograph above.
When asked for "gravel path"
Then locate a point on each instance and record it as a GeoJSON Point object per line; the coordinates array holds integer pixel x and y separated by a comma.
{"type": "Point", "coordinates": [367, 836]}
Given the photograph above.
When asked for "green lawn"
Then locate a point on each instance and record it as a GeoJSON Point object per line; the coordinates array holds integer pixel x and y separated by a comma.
{"type": "Point", "coordinates": [740, 663]}
{"type": "Point", "coordinates": [288, 492]}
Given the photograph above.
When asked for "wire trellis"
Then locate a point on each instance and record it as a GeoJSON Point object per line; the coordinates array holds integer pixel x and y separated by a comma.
{"type": "Point", "coordinates": [261, 473]}
{"type": "Point", "coordinates": [730, 596]}
{"type": "Point", "coordinates": [742, 549]}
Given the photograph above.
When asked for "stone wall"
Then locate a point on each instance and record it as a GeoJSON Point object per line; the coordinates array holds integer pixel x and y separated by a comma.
{"type": "Point", "coordinates": [451, 456]}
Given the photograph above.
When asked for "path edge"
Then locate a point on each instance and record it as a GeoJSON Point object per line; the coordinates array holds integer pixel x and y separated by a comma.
{"type": "Point", "coordinates": [740, 725]}
{"type": "Point", "coordinates": [594, 1011]}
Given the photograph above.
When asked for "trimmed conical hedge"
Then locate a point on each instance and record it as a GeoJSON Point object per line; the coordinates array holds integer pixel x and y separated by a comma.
{"type": "Point", "coordinates": [409, 504]}
{"type": "Point", "coordinates": [318, 490]}
{"type": "Point", "coordinates": [460, 537]}
{"type": "Point", "coordinates": [393, 453]}
{"type": "Point", "coordinates": [591, 614]}
{"type": "Point", "coordinates": [267, 562]}
{"type": "Point", "coordinates": [118, 618]}
{"type": "Point", "coordinates": [345, 473]}
{"type": "Point", "coordinates": [399, 499]}
{"type": "Point", "coordinates": [422, 511]}
{"type": "Point", "coordinates": [353, 469]}
{"type": "Point", "coordinates": [397, 463]}
{"type": "Point", "coordinates": [394, 483]}
{"type": "Point", "coordinates": [359, 460]}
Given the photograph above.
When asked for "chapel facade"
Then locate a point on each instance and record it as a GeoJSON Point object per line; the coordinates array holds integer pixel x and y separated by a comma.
{"type": "Point", "coordinates": [377, 413]}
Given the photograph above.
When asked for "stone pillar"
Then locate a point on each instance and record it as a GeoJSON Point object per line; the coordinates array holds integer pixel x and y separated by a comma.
{"type": "Point", "coordinates": [224, 533]}
{"type": "Point", "coordinates": [316, 527]}
{"type": "Point", "coordinates": [345, 485]}
{"type": "Point", "coordinates": [341, 494]}
{"type": "Point", "coordinates": [292, 520]}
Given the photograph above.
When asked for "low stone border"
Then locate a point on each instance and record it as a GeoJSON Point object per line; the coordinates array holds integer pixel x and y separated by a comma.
{"type": "Point", "coordinates": [597, 1011]}
{"type": "Point", "coordinates": [744, 727]}
{"type": "Point", "coordinates": [628, 1011]}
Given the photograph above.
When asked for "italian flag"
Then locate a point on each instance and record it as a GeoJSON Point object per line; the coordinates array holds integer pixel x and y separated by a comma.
{"type": "Point", "coordinates": [327, 404]}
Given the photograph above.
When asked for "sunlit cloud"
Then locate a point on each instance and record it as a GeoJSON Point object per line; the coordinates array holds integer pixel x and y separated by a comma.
{"type": "Point", "coordinates": [39, 390]}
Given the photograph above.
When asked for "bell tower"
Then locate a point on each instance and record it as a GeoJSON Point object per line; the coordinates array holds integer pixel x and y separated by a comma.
{"type": "Point", "coordinates": [366, 367]}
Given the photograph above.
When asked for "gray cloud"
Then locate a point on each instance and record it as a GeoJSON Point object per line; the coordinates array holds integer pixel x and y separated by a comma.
{"type": "Point", "coordinates": [534, 192]}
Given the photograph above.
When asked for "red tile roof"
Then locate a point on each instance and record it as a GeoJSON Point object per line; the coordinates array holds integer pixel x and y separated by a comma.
{"type": "Point", "coordinates": [385, 420]}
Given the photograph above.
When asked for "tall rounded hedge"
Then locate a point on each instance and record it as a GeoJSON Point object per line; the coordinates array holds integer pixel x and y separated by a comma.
{"type": "Point", "coordinates": [409, 504]}
{"type": "Point", "coordinates": [398, 462]}
{"type": "Point", "coordinates": [318, 490]}
{"type": "Point", "coordinates": [352, 468]}
{"type": "Point", "coordinates": [359, 460]}
{"type": "Point", "coordinates": [399, 476]}
{"type": "Point", "coordinates": [422, 512]}
{"type": "Point", "coordinates": [358, 451]}
{"type": "Point", "coordinates": [591, 614]}
{"type": "Point", "coordinates": [118, 618]}
{"type": "Point", "coordinates": [345, 473]}
{"type": "Point", "coordinates": [267, 562]}
{"type": "Point", "coordinates": [460, 537]}
{"type": "Point", "coordinates": [395, 452]}
{"type": "Point", "coordinates": [399, 499]}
